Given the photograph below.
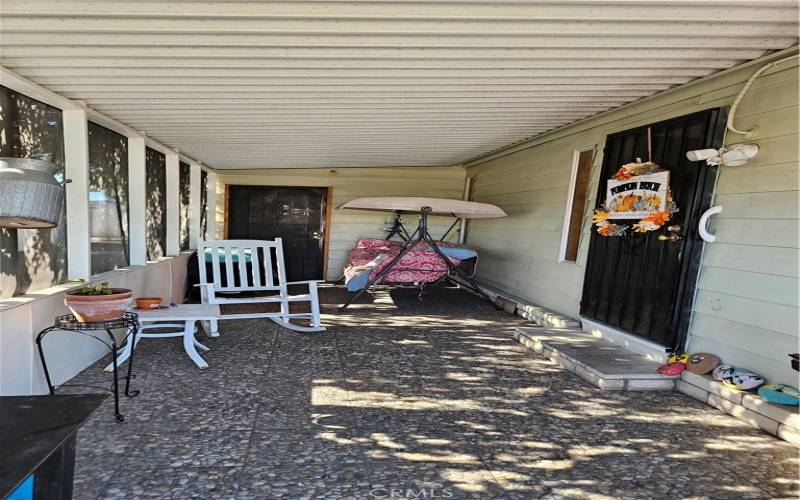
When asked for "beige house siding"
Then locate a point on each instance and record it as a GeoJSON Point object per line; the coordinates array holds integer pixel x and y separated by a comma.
{"type": "Point", "coordinates": [348, 184]}
{"type": "Point", "coordinates": [746, 306]}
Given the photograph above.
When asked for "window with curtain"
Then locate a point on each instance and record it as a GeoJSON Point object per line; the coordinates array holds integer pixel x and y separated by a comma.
{"type": "Point", "coordinates": [184, 181]}
{"type": "Point", "coordinates": [108, 198]}
{"type": "Point", "coordinates": [31, 259]}
{"type": "Point", "coordinates": [156, 211]}
{"type": "Point", "coordinates": [203, 204]}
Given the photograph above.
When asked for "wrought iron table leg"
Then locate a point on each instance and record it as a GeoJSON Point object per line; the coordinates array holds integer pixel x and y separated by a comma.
{"type": "Point", "coordinates": [41, 357]}
{"type": "Point", "coordinates": [134, 331]}
{"type": "Point", "coordinates": [116, 376]}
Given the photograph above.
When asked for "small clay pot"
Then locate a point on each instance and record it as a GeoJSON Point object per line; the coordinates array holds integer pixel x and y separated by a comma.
{"type": "Point", "coordinates": [148, 302]}
{"type": "Point", "coordinates": [95, 308]}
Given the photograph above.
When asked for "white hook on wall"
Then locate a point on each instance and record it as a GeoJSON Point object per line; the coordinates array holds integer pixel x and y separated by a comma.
{"type": "Point", "coordinates": [702, 226]}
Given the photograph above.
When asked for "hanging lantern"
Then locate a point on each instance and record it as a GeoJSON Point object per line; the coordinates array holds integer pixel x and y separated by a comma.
{"type": "Point", "coordinates": [30, 195]}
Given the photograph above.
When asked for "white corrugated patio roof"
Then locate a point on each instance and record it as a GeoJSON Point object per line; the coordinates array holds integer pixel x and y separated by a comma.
{"type": "Point", "coordinates": [244, 84]}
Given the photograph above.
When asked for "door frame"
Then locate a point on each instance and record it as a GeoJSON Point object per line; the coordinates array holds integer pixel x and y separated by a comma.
{"type": "Point", "coordinates": [693, 244]}
{"type": "Point", "coordinates": [327, 220]}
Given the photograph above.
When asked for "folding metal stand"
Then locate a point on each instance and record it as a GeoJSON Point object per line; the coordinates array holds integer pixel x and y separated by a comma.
{"type": "Point", "coordinates": [400, 230]}
{"type": "Point", "coordinates": [421, 235]}
{"type": "Point", "coordinates": [397, 229]}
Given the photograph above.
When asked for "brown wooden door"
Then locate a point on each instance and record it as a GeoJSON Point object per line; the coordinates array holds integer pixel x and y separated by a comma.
{"type": "Point", "coordinates": [638, 283]}
{"type": "Point", "coordinates": [295, 214]}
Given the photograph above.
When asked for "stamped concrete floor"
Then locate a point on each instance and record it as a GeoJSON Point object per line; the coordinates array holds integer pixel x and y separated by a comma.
{"type": "Point", "coordinates": [407, 399]}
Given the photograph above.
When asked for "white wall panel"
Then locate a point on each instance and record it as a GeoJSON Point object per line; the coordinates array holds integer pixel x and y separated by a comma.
{"type": "Point", "coordinates": [746, 306]}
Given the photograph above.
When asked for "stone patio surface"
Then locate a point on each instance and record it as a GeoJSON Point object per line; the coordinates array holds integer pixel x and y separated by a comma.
{"type": "Point", "coordinates": [407, 399]}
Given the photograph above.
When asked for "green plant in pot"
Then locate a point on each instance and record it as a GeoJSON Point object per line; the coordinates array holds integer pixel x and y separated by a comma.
{"type": "Point", "coordinates": [95, 302]}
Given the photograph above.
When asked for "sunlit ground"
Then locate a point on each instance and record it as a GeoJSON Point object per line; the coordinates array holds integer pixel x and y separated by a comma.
{"type": "Point", "coordinates": [402, 399]}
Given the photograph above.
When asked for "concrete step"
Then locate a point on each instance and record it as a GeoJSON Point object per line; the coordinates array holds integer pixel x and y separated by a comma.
{"type": "Point", "coordinates": [539, 315]}
{"type": "Point", "coordinates": [599, 362]}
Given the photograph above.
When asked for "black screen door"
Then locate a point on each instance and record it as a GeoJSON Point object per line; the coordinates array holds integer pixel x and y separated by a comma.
{"type": "Point", "coordinates": [297, 215]}
{"type": "Point", "coordinates": [638, 283]}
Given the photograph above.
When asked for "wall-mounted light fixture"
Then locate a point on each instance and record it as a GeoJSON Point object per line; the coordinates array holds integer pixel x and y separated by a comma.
{"type": "Point", "coordinates": [30, 196]}
{"type": "Point", "coordinates": [734, 156]}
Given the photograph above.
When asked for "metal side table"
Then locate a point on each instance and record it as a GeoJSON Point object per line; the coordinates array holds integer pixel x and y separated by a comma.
{"type": "Point", "coordinates": [68, 323]}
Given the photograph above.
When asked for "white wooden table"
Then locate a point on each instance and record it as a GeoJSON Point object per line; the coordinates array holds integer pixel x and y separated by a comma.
{"type": "Point", "coordinates": [182, 317]}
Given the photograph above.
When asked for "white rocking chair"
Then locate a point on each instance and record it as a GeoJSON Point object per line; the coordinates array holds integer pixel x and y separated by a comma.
{"type": "Point", "coordinates": [267, 273]}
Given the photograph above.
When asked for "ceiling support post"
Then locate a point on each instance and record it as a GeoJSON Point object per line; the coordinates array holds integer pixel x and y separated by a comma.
{"type": "Point", "coordinates": [173, 204]}
{"type": "Point", "coordinates": [137, 201]}
{"type": "Point", "coordinates": [76, 170]}
{"type": "Point", "coordinates": [194, 204]}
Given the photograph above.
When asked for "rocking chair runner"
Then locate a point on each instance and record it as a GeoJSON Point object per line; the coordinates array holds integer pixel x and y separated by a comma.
{"type": "Point", "coordinates": [253, 266]}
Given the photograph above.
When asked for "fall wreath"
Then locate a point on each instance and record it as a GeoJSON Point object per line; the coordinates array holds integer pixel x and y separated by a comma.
{"type": "Point", "coordinates": [659, 208]}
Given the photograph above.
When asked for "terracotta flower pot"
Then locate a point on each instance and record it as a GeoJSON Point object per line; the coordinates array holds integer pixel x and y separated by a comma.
{"type": "Point", "coordinates": [148, 302]}
{"type": "Point", "coordinates": [94, 308]}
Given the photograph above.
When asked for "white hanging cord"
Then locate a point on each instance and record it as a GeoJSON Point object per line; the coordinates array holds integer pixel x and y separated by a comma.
{"type": "Point", "coordinates": [732, 114]}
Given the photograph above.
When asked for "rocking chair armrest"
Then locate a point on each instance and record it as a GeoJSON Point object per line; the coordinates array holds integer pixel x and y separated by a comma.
{"type": "Point", "coordinates": [304, 282]}
{"type": "Point", "coordinates": [209, 288]}
{"type": "Point", "coordinates": [211, 294]}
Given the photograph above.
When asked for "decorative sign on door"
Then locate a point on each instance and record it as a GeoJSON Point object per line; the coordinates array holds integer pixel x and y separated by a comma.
{"type": "Point", "coordinates": [637, 190]}
{"type": "Point", "coordinates": [637, 197]}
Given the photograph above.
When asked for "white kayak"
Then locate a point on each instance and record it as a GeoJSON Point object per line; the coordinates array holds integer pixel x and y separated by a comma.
{"type": "Point", "coordinates": [441, 206]}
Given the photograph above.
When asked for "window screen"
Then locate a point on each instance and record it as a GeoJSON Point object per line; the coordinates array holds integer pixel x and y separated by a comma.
{"type": "Point", "coordinates": [156, 211]}
{"type": "Point", "coordinates": [184, 181]}
{"type": "Point", "coordinates": [31, 259]}
{"type": "Point", "coordinates": [204, 204]}
{"type": "Point", "coordinates": [580, 190]}
{"type": "Point", "coordinates": [108, 198]}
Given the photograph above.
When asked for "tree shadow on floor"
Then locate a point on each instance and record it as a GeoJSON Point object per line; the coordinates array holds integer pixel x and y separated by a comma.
{"type": "Point", "coordinates": [409, 399]}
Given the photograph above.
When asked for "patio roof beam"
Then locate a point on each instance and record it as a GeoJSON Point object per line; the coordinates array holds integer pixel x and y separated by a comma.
{"type": "Point", "coordinates": [132, 66]}
{"type": "Point", "coordinates": [243, 110]}
{"type": "Point", "coordinates": [211, 103]}
{"type": "Point", "coordinates": [452, 11]}
{"type": "Point", "coordinates": [286, 41]}
{"type": "Point", "coordinates": [443, 79]}
{"type": "Point", "coordinates": [181, 56]}
{"type": "Point", "coordinates": [779, 26]}
{"type": "Point", "coordinates": [423, 89]}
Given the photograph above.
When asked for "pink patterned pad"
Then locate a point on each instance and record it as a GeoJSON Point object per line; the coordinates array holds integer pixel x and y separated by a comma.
{"type": "Point", "coordinates": [416, 266]}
